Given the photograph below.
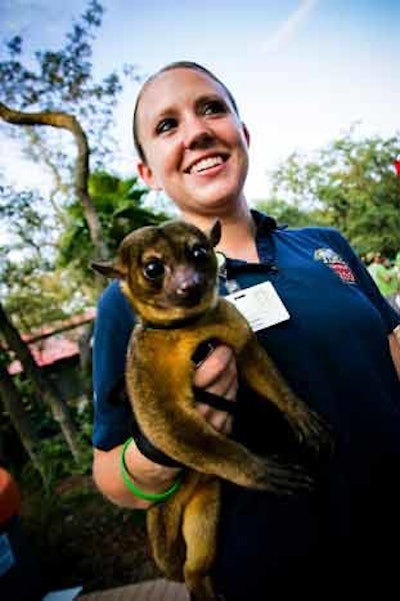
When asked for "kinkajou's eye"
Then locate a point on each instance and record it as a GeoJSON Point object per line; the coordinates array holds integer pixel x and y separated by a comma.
{"type": "Point", "coordinates": [154, 269]}
{"type": "Point", "coordinates": [199, 252]}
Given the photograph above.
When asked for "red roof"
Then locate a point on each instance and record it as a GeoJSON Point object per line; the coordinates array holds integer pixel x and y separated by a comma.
{"type": "Point", "coordinates": [50, 351]}
{"type": "Point", "coordinates": [52, 344]}
{"type": "Point", "coordinates": [67, 324]}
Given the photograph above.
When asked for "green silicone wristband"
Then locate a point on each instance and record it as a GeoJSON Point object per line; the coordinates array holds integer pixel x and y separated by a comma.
{"type": "Point", "coordinates": [146, 496]}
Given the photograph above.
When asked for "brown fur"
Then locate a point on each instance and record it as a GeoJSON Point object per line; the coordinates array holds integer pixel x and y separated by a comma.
{"type": "Point", "coordinates": [178, 311]}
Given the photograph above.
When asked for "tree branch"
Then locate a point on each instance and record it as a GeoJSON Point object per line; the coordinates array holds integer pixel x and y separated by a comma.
{"type": "Point", "coordinates": [69, 122]}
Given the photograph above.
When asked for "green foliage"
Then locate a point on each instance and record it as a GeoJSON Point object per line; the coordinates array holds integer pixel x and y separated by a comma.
{"type": "Point", "coordinates": [30, 224]}
{"type": "Point", "coordinates": [57, 463]}
{"type": "Point", "coordinates": [45, 268]}
{"type": "Point", "coordinates": [37, 296]}
{"type": "Point", "coordinates": [119, 204]}
{"type": "Point", "coordinates": [352, 185]}
{"type": "Point", "coordinates": [35, 292]}
{"type": "Point", "coordinates": [56, 460]}
{"type": "Point", "coordinates": [291, 215]}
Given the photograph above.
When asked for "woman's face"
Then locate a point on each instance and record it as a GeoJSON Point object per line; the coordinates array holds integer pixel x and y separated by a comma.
{"type": "Point", "coordinates": [195, 145]}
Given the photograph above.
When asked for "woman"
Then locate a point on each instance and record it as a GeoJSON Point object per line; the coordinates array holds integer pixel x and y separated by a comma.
{"type": "Point", "coordinates": [331, 335]}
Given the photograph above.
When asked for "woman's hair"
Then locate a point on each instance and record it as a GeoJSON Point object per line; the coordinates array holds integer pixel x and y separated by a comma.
{"type": "Point", "coordinates": [170, 67]}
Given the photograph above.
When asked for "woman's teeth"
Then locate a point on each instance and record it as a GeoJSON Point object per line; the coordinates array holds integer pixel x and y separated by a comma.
{"type": "Point", "coordinates": [206, 164]}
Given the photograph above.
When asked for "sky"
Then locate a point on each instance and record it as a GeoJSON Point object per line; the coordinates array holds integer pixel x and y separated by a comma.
{"type": "Point", "coordinates": [302, 71]}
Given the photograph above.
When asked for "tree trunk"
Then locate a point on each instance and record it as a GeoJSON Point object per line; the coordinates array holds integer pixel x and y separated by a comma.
{"type": "Point", "coordinates": [14, 406]}
{"type": "Point", "coordinates": [69, 122]}
{"type": "Point", "coordinates": [43, 387]}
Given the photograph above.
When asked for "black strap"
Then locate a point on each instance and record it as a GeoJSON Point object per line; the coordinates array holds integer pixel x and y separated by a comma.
{"type": "Point", "coordinates": [215, 401]}
{"type": "Point", "coordinates": [203, 350]}
{"type": "Point", "coordinates": [149, 450]}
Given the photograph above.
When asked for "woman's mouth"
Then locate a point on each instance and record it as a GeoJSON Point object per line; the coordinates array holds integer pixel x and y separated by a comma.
{"type": "Point", "coordinates": [206, 164]}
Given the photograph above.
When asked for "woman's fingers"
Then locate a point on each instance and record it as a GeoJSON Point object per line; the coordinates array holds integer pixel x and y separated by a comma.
{"type": "Point", "coordinates": [218, 375]}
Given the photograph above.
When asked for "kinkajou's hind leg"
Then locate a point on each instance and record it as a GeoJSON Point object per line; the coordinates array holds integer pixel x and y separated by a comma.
{"type": "Point", "coordinates": [200, 533]}
{"type": "Point", "coordinates": [164, 526]}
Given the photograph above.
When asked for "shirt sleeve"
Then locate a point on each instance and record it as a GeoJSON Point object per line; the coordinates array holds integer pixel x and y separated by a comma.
{"type": "Point", "coordinates": [113, 327]}
{"type": "Point", "coordinates": [390, 317]}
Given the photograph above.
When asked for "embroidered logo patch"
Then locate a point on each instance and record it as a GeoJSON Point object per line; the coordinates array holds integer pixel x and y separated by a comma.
{"type": "Point", "coordinates": [336, 263]}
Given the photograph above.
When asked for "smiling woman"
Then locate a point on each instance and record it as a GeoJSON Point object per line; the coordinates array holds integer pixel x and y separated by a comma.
{"type": "Point", "coordinates": [171, 67]}
{"type": "Point", "coordinates": [196, 145]}
{"type": "Point", "coordinates": [329, 331]}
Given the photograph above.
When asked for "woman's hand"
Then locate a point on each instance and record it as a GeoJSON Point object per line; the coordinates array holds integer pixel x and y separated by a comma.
{"type": "Point", "coordinates": [218, 374]}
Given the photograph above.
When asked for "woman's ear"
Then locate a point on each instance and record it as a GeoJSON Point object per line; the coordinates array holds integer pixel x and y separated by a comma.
{"type": "Point", "coordinates": [147, 175]}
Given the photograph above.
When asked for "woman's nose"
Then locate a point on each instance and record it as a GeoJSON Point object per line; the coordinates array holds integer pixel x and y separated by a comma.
{"type": "Point", "coordinates": [197, 133]}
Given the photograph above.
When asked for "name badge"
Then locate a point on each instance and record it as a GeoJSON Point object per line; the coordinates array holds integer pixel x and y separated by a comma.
{"type": "Point", "coordinates": [261, 305]}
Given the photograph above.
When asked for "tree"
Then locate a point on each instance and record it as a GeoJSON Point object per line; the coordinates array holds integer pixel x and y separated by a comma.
{"type": "Point", "coordinates": [289, 214]}
{"type": "Point", "coordinates": [354, 184]}
{"type": "Point", "coordinates": [43, 387]}
{"type": "Point", "coordinates": [60, 93]}
{"type": "Point", "coordinates": [68, 122]}
{"type": "Point", "coordinates": [35, 292]}
{"type": "Point", "coordinates": [48, 97]}
{"type": "Point", "coordinates": [19, 418]}
{"type": "Point", "coordinates": [45, 261]}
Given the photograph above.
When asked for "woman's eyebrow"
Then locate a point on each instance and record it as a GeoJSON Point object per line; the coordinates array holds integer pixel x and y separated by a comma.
{"type": "Point", "coordinates": [172, 110]}
{"type": "Point", "coordinates": [207, 97]}
{"type": "Point", "coordinates": [165, 112]}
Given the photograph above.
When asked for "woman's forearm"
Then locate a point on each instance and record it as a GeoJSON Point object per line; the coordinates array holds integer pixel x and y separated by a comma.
{"type": "Point", "coordinates": [147, 476]}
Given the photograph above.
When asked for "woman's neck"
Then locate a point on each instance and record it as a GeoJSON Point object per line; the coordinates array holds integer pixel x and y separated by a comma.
{"type": "Point", "coordinates": [238, 239]}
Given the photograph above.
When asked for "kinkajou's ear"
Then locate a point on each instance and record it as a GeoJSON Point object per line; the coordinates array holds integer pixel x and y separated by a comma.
{"type": "Point", "coordinates": [108, 269]}
{"type": "Point", "coordinates": [215, 233]}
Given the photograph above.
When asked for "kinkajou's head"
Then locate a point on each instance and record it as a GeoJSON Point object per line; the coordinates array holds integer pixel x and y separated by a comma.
{"type": "Point", "coordinates": [168, 272]}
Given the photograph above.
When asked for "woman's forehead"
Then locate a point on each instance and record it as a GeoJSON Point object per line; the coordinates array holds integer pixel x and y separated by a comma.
{"type": "Point", "coordinates": [169, 88]}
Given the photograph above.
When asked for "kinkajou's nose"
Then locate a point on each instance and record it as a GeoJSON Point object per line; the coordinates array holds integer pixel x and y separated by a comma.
{"type": "Point", "coordinates": [188, 286]}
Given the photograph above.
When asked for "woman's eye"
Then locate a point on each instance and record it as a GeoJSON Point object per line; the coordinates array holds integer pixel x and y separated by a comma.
{"type": "Point", "coordinates": [153, 270]}
{"type": "Point", "coordinates": [213, 107]}
{"type": "Point", "coordinates": [165, 125]}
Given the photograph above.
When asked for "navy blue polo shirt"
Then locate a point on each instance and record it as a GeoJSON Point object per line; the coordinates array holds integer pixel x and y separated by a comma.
{"type": "Point", "coordinates": [334, 352]}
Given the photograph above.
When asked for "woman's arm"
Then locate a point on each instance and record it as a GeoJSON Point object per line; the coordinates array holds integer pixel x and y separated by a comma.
{"type": "Point", "coordinates": [217, 374]}
{"type": "Point", "coordinates": [147, 476]}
